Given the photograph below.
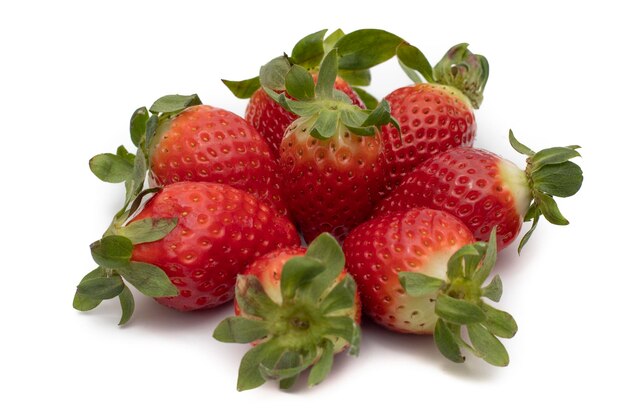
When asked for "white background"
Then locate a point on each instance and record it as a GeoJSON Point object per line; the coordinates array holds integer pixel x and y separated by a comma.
{"type": "Point", "coordinates": [72, 73]}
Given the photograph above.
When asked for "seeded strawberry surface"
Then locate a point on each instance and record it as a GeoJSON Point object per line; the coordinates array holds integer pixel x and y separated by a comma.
{"type": "Point", "coordinates": [220, 231]}
{"type": "Point", "coordinates": [205, 143]}
{"type": "Point", "coordinates": [433, 118]}
{"type": "Point", "coordinates": [415, 240]}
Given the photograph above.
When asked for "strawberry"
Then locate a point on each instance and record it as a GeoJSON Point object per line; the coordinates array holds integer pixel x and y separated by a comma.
{"type": "Point", "coordinates": [298, 308]}
{"type": "Point", "coordinates": [433, 116]}
{"type": "Point", "coordinates": [486, 191]}
{"type": "Point", "coordinates": [194, 235]}
{"type": "Point", "coordinates": [419, 271]}
{"type": "Point", "coordinates": [331, 158]}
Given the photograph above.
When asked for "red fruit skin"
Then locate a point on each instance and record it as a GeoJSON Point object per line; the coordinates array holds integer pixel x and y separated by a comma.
{"type": "Point", "coordinates": [204, 143]}
{"type": "Point", "coordinates": [418, 240]}
{"type": "Point", "coordinates": [432, 118]}
{"type": "Point", "coordinates": [271, 120]}
{"type": "Point", "coordinates": [480, 188]}
{"type": "Point", "coordinates": [330, 185]}
{"type": "Point", "coordinates": [220, 231]}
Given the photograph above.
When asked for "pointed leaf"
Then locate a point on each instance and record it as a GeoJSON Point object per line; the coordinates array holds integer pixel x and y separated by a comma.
{"type": "Point", "coordinates": [380, 116]}
{"type": "Point", "coordinates": [252, 298]}
{"type": "Point", "coordinates": [297, 273]}
{"type": "Point", "coordinates": [326, 250]}
{"type": "Point", "coordinates": [446, 342]}
{"type": "Point", "coordinates": [487, 346]}
{"type": "Point", "coordinates": [148, 230]}
{"type": "Point", "coordinates": [149, 279]}
{"type": "Point", "coordinates": [356, 77]}
{"type": "Point", "coordinates": [174, 103]}
{"type": "Point", "coordinates": [528, 234]}
{"type": "Point", "coordinates": [458, 311]}
{"type": "Point", "coordinates": [127, 302]}
{"type": "Point", "coordinates": [138, 125]}
{"type": "Point", "coordinates": [551, 156]}
{"type": "Point", "coordinates": [468, 255]}
{"type": "Point", "coordinates": [243, 88]}
{"type": "Point", "coordinates": [411, 73]}
{"type": "Point", "coordinates": [327, 76]}
{"type": "Point", "coordinates": [369, 100]}
{"type": "Point", "coordinates": [249, 374]}
{"type": "Point", "coordinates": [151, 127]}
{"type": "Point", "coordinates": [288, 365]}
{"type": "Point", "coordinates": [559, 180]}
{"type": "Point", "coordinates": [287, 383]}
{"type": "Point", "coordinates": [413, 58]}
{"type": "Point", "coordinates": [361, 131]}
{"type": "Point", "coordinates": [347, 329]}
{"type": "Point", "coordinates": [320, 370]}
{"type": "Point", "coordinates": [326, 125]}
{"type": "Point", "coordinates": [272, 75]}
{"type": "Point", "coordinates": [549, 209]}
{"type": "Point", "coordinates": [112, 251]}
{"type": "Point", "coordinates": [417, 285]}
{"type": "Point", "coordinates": [82, 302]}
{"type": "Point", "coordinates": [341, 297]}
{"type": "Point", "coordinates": [308, 52]}
{"type": "Point", "coordinates": [101, 287]}
{"type": "Point", "coordinates": [519, 147]}
{"type": "Point", "coordinates": [300, 84]}
{"type": "Point", "coordinates": [493, 291]}
{"type": "Point", "coordinates": [331, 40]}
{"type": "Point", "coordinates": [488, 261]}
{"type": "Point", "coordinates": [499, 322]}
{"type": "Point", "coordinates": [366, 48]}
{"type": "Point", "coordinates": [240, 330]}
{"type": "Point", "coordinates": [111, 168]}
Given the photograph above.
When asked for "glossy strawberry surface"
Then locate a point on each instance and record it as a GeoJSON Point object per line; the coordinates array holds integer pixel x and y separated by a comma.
{"type": "Point", "coordinates": [417, 240]}
{"type": "Point", "coordinates": [271, 120]}
{"type": "Point", "coordinates": [433, 118]}
{"type": "Point", "coordinates": [220, 231]}
{"type": "Point", "coordinates": [205, 143]}
{"type": "Point", "coordinates": [480, 188]}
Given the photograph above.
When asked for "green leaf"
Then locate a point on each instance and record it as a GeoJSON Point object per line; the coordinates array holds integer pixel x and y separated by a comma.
{"type": "Point", "coordinates": [493, 291]}
{"type": "Point", "coordinates": [411, 73]}
{"type": "Point", "coordinates": [297, 273]}
{"type": "Point", "coordinates": [519, 147]}
{"type": "Point", "coordinates": [326, 250]}
{"type": "Point", "coordinates": [380, 116]}
{"type": "Point", "coordinates": [551, 156]}
{"type": "Point", "coordinates": [287, 383]}
{"type": "Point", "coordinates": [365, 48]}
{"type": "Point", "coordinates": [243, 88]}
{"type": "Point", "coordinates": [446, 342]}
{"type": "Point", "coordinates": [325, 125]}
{"type": "Point", "coordinates": [320, 370]}
{"type": "Point", "coordinates": [481, 273]}
{"type": "Point", "coordinates": [559, 180]}
{"type": "Point", "coordinates": [240, 330]}
{"type": "Point", "coordinates": [112, 251]}
{"type": "Point", "coordinates": [148, 230]}
{"type": "Point", "coordinates": [331, 40]}
{"type": "Point", "coordinates": [122, 152]}
{"type": "Point", "coordinates": [83, 302]}
{"type": "Point", "coordinates": [458, 311]}
{"type": "Point", "coordinates": [111, 168]}
{"type": "Point", "coordinates": [151, 127]}
{"type": "Point", "coordinates": [149, 279]}
{"type": "Point", "coordinates": [272, 75]}
{"type": "Point", "coordinates": [487, 346]}
{"type": "Point", "coordinates": [417, 285]}
{"type": "Point", "coordinates": [288, 365]}
{"type": "Point", "coordinates": [135, 183]}
{"type": "Point", "coordinates": [138, 125]}
{"type": "Point", "coordinates": [249, 374]}
{"type": "Point", "coordinates": [549, 209]}
{"type": "Point", "coordinates": [341, 297]}
{"type": "Point", "coordinates": [369, 100]}
{"type": "Point", "coordinates": [413, 58]}
{"type": "Point", "coordinates": [174, 103]}
{"type": "Point", "coordinates": [127, 301]}
{"type": "Point", "coordinates": [528, 234]}
{"type": "Point", "coordinates": [356, 77]}
{"type": "Point", "coordinates": [101, 287]}
{"type": "Point", "coordinates": [347, 329]}
{"type": "Point", "coordinates": [251, 297]}
{"type": "Point", "coordinates": [308, 52]}
{"type": "Point", "coordinates": [499, 322]}
{"type": "Point", "coordinates": [300, 84]}
{"type": "Point", "coordinates": [327, 76]}
{"type": "Point", "coordinates": [463, 260]}
{"type": "Point", "coordinates": [362, 131]}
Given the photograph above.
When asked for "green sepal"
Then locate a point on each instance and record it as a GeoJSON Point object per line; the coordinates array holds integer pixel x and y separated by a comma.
{"type": "Point", "coordinates": [549, 209]}
{"type": "Point", "coordinates": [493, 291]}
{"type": "Point", "coordinates": [325, 126]}
{"type": "Point", "coordinates": [532, 214]}
{"type": "Point", "coordinates": [488, 260]}
{"type": "Point", "coordinates": [252, 299]}
{"type": "Point", "coordinates": [112, 251]}
{"type": "Point", "coordinates": [447, 343]}
{"type": "Point", "coordinates": [138, 122]}
{"type": "Point", "coordinates": [411, 57]}
{"type": "Point", "coordinates": [149, 279]}
{"type": "Point", "coordinates": [101, 287]}
{"type": "Point", "coordinates": [341, 297]}
{"type": "Point", "coordinates": [249, 373]}
{"type": "Point", "coordinates": [356, 77]}
{"type": "Point", "coordinates": [365, 48]}
{"type": "Point", "coordinates": [552, 156]}
{"type": "Point", "coordinates": [127, 302]}
{"type": "Point", "coordinates": [288, 365]}
{"type": "Point", "coordinates": [327, 76]}
{"type": "Point", "coordinates": [148, 230]}
{"type": "Point", "coordinates": [243, 88]}
{"type": "Point", "coordinates": [298, 272]}
{"type": "Point", "coordinates": [299, 84]}
{"type": "Point", "coordinates": [325, 249]}
{"type": "Point", "coordinates": [381, 115]}
{"type": "Point", "coordinates": [558, 180]}
{"type": "Point", "coordinates": [331, 40]}
{"type": "Point", "coordinates": [174, 103]}
{"type": "Point", "coordinates": [464, 261]}
{"type": "Point", "coordinates": [309, 51]}
{"type": "Point", "coordinates": [487, 346]}
{"type": "Point", "coordinates": [417, 285]}
{"type": "Point", "coordinates": [499, 322]}
{"type": "Point", "coordinates": [240, 330]}
{"type": "Point", "coordinates": [320, 370]}
{"type": "Point", "coordinates": [347, 329]}
{"type": "Point", "coordinates": [411, 73]}
{"type": "Point", "coordinates": [111, 168]}
{"type": "Point", "coordinates": [458, 311]}
{"type": "Point", "coordinates": [272, 75]}
{"type": "Point", "coordinates": [518, 146]}
{"type": "Point", "coordinates": [83, 302]}
{"type": "Point", "coordinates": [287, 383]}
{"type": "Point", "coordinates": [369, 100]}
{"type": "Point", "coordinates": [151, 128]}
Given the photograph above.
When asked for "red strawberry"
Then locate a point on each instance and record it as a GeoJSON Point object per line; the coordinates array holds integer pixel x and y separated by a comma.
{"type": "Point", "coordinates": [298, 308]}
{"type": "Point", "coordinates": [486, 191]}
{"type": "Point", "coordinates": [271, 120]}
{"type": "Point", "coordinates": [434, 116]}
{"type": "Point", "coordinates": [331, 158]}
{"type": "Point", "coordinates": [419, 272]}
{"type": "Point", "coordinates": [204, 143]}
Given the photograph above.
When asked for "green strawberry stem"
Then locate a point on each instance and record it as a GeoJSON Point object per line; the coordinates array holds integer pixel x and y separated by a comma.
{"type": "Point", "coordinates": [305, 329]}
{"type": "Point", "coordinates": [549, 173]}
{"type": "Point", "coordinates": [113, 252]}
{"type": "Point", "coordinates": [460, 304]}
{"type": "Point", "coordinates": [327, 110]}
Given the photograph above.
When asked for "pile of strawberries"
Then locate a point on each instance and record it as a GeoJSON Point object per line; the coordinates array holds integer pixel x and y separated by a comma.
{"type": "Point", "coordinates": [402, 216]}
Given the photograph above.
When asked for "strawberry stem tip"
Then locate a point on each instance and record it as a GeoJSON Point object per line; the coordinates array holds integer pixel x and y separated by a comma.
{"type": "Point", "coordinates": [315, 318]}
{"type": "Point", "coordinates": [459, 303]}
{"type": "Point", "coordinates": [549, 173]}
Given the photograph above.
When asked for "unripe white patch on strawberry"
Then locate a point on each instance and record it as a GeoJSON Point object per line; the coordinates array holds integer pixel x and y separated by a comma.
{"type": "Point", "coordinates": [516, 181]}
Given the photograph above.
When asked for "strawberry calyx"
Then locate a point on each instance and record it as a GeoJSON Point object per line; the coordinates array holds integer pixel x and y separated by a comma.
{"type": "Point", "coordinates": [321, 107]}
{"type": "Point", "coordinates": [313, 320]}
{"type": "Point", "coordinates": [459, 304]}
{"type": "Point", "coordinates": [549, 173]}
{"type": "Point", "coordinates": [113, 252]}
